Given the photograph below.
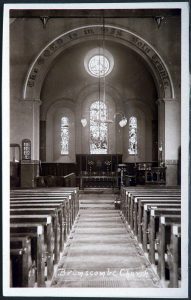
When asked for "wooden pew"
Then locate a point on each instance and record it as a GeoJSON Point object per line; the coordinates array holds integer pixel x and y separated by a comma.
{"type": "Point", "coordinates": [139, 205]}
{"type": "Point", "coordinates": [55, 212]}
{"type": "Point", "coordinates": [58, 215]}
{"type": "Point", "coordinates": [136, 208]}
{"type": "Point", "coordinates": [132, 193]}
{"type": "Point", "coordinates": [174, 256]}
{"type": "Point", "coordinates": [65, 200]}
{"type": "Point", "coordinates": [22, 269]}
{"type": "Point", "coordinates": [46, 221]}
{"type": "Point", "coordinates": [36, 233]}
{"type": "Point", "coordinates": [39, 201]}
{"type": "Point", "coordinates": [152, 195]}
{"type": "Point", "coordinates": [67, 197]}
{"type": "Point", "coordinates": [143, 215]}
{"type": "Point", "coordinates": [154, 227]}
{"type": "Point", "coordinates": [73, 191]}
{"type": "Point", "coordinates": [36, 199]}
{"type": "Point", "coordinates": [132, 205]}
{"type": "Point", "coordinates": [163, 240]}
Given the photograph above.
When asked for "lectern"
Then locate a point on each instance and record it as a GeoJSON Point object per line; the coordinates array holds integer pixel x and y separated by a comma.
{"type": "Point", "coordinates": [122, 168]}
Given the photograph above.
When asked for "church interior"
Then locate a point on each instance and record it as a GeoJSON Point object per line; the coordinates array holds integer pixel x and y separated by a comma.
{"type": "Point", "coordinates": [95, 148]}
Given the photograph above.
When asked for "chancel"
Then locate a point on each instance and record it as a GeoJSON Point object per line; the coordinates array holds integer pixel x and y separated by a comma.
{"type": "Point", "coordinates": [95, 118]}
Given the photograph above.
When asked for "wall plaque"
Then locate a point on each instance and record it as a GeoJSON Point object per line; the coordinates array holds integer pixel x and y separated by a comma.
{"type": "Point", "coordinates": [26, 149]}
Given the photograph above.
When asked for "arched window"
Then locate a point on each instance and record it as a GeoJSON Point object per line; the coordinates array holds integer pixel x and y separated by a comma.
{"type": "Point", "coordinates": [64, 134]}
{"type": "Point", "coordinates": [98, 128]}
{"type": "Point", "coordinates": [133, 135]}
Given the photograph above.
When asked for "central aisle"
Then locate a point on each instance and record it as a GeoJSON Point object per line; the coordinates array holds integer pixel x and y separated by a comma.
{"type": "Point", "coordinates": [101, 252]}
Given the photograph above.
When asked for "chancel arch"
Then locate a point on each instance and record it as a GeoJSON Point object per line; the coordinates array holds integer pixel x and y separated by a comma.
{"type": "Point", "coordinates": [139, 72]}
{"type": "Point", "coordinates": [42, 63]}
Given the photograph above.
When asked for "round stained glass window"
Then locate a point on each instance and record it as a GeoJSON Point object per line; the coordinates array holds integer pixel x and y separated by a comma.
{"type": "Point", "coordinates": [99, 65]}
{"type": "Point", "coordinates": [98, 62]}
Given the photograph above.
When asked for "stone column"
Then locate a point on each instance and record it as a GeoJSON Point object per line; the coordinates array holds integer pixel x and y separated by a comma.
{"type": "Point", "coordinates": [170, 136]}
{"type": "Point", "coordinates": [30, 168]}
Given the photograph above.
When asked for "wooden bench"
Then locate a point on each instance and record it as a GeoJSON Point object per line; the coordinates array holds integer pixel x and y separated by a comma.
{"type": "Point", "coordinates": [35, 200]}
{"type": "Point", "coordinates": [143, 215]}
{"type": "Point", "coordinates": [139, 205]}
{"type": "Point", "coordinates": [164, 236]}
{"type": "Point", "coordinates": [22, 266]}
{"type": "Point", "coordinates": [142, 209]}
{"type": "Point", "coordinates": [174, 256]}
{"type": "Point", "coordinates": [33, 206]}
{"type": "Point", "coordinates": [57, 207]}
{"type": "Point", "coordinates": [73, 191]}
{"type": "Point", "coordinates": [46, 221]}
{"type": "Point", "coordinates": [154, 227]}
{"type": "Point", "coordinates": [50, 199]}
{"type": "Point", "coordinates": [56, 213]}
{"type": "Point", "coordinates": [52, 249]}
{"type": "Point", "coordinates": [36, 233]}
{"type": "Point", "coordinates": [65, 196]}
{"type": "Point", "coordinates": [132, 205]}
{"type": "Point", "coordinates": [152, 195]}
{"type": "Point", "coordinates": [127, 200]}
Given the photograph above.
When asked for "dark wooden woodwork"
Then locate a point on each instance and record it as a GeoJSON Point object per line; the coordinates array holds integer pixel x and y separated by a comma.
{"type": "Point", "coordinates": [174, 256]}
{"type": "Point", "coordinates": [42, 140]}
{"type": "Point", "coordinates": [36, 232]}
{"type": "Point", "coordinates": [142, 209]}
{"type": "Point", "coordinates": [164, 239]}
{"type": "Point", "coordinates": [57, 169]}
{"type": "Point", "coordinates": [98, 163]}
{"type": "Point", "coordinates": [21, 215]}
{"type": "Point", "coordinates": [22, 266]}
{"type": "Point", "coordinates": [15, 174]}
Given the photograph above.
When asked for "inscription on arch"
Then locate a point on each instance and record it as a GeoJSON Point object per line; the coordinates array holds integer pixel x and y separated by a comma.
{"type": "Point", "coordinates": [91, 32]}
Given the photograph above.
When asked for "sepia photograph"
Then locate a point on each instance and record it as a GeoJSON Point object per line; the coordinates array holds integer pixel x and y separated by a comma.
{"type": "Point", "coordinates": [95, 102]}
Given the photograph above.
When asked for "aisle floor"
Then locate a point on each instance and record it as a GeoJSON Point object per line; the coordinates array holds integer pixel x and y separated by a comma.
{"type": "Point", "coordinates": [101, 252]}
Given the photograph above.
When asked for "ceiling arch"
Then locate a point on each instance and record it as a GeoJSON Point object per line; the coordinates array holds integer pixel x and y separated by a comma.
{"type": "Point", "coordinates": [40, 66]}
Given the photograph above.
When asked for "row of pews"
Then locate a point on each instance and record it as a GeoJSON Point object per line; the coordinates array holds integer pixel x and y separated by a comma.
{"type": "Point", "coordinates": [40, 224]}
{"type": "Point", "coordinates": [153, 214]}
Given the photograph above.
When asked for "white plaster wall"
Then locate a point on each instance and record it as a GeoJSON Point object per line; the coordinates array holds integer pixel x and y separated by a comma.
{"type": "Point", "coordinates": [172, 129]}
{"type": "Point", "coordinates": [67, 79]}
{"type": "Point", "coordinates": [25, 124]}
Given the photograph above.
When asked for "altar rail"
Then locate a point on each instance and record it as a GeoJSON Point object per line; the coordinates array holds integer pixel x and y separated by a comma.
{"type": "Point", "coordinates": [52, 181]}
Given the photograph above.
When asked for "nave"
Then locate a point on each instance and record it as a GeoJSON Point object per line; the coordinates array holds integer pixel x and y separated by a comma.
{"type": "Point", "coordinates": [96, 135]}
{"type": "Point", "coordinates": [101, 252]}
{"type": "Point", "coordinates": [69, 238]}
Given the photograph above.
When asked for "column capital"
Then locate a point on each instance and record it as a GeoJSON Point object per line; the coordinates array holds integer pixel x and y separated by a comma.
{"type": "Point", "coordinates": [166, 100]}
{"type": "Point", "coordinates": [171, 162]}
{"type": "Point", "coordinates": [34, 100]}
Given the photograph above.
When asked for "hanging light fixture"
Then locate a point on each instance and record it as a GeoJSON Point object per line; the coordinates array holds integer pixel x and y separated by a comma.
{"type": "Point", "coordinates": [84, 122]}
{"type": "Point", "coordinates": [123, 121]}
{"type": "Point", "coordinates": [102, 68]}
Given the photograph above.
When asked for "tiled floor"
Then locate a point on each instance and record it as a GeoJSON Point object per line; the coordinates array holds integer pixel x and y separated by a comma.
{"type": "Point", "coordinates": [101, 252]}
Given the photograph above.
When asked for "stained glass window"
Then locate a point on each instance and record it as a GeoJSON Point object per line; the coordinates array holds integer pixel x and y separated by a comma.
{"type": "Point", "coordinates": [98, 128]}
{"type": "Point", "coordinates": [64, 136]}
{"type": "Point", "coordinates": [99, 65]}
{"type": "Point", "coordinates": [133, 135]}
